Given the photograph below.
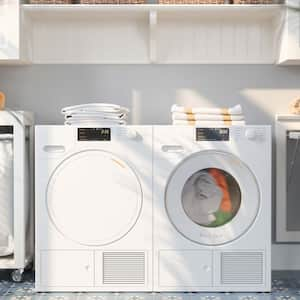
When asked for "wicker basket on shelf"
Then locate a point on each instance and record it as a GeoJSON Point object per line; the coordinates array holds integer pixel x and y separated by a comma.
{"type": "Point", "coordinates": [112, 1]}
{"type": "Point", "coordinates": [50, 1]}
{"type": "Point", "coordinates": [191, 1]}
{"type": "Point", "coordinates": [252, 1]}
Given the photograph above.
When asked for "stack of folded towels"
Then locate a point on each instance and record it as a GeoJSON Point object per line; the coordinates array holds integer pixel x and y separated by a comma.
{"type": "Point", "coordinates": [95, 114]}
{"type": "Point", "coordinates": [202, 116]}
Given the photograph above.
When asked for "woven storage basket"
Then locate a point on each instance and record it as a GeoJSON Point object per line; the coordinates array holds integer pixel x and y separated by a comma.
{"type": "Point", "coordinates": [112, 1]}
{"type": "Point", "coordinates": [50, 1]}
{"type": "Point", "coordinates": [191, 1]}
{"type": "Point", "coordinates": [252, 1]}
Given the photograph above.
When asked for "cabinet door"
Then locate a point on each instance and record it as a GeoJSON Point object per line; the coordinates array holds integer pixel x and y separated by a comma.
{"type": "Point", "coordinates": [290, 40]}
{"type": "Point", "coordinates": [9, 29]}
{"type": "Point", "coordinates": [185, 269]}
{"type": "Point", "coordinates": [67, 268]}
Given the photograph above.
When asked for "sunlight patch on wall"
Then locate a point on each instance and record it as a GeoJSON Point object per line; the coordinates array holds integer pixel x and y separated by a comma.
{"type": "Point", "coordinates": [136, 107]}
{"type": "Point", "coordinates": [270, 101]}
{"type": "Point", "coordinates": [189, 97]}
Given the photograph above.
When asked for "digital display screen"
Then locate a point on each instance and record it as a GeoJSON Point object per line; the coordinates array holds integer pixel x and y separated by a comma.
{"type": "Point", "coordinates": [4, 129]}
{"type": "Point", "coordinates": [94, 134]}
{"type": "Point", "coordinates": [212, 134]}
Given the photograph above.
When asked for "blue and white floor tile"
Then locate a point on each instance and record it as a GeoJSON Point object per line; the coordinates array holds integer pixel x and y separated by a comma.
{"type": "Point", "coordinates": [283, 289]}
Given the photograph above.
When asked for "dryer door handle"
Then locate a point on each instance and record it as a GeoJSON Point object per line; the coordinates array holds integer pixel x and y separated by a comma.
{"type": "Point", "coordinates": [54, 149]}
{"type": "Point", "coordinates": [172, 148]}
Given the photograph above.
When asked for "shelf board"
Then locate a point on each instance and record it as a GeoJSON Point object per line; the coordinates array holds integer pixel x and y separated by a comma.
{"type": "Point", "coordinates": [288, 117]}
{"type": "Point", "coordinates": [75, 10]}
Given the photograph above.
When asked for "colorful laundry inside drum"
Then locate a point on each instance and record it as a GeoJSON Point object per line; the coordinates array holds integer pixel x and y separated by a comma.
{"type": "Point", "coordinates": [211, 197]}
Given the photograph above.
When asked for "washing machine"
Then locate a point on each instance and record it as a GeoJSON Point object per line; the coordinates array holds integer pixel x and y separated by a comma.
{"type": "Point", "coordinates": [212, 208]}
{"type": "Point", "coordinates": [93, 208]}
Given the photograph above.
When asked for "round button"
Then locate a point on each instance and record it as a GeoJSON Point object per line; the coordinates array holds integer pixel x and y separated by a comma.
{"type": "Point", "coordinates": [206, 268]}
{"type": "Point", "coordinates": [250, 134]}
{"type": "Point", "coordinates": [131, 134]}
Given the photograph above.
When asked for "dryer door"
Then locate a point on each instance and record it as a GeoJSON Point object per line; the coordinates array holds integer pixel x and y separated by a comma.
{"type": "Point", "coordinates": [94, 198]}
{"type": "Point", "coordinates": [212, 198]}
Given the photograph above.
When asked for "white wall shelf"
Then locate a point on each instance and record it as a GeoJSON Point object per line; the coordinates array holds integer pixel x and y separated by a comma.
{"type": "Point", "coordinates": [289, 48]}
{"type": "Point", "coordinates": [143, 34]}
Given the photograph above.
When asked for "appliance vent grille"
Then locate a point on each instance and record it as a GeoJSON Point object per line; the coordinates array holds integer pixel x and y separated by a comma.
{"type": "Point", "coordinates": [124, 268]}
{"type": "Point", "coordinates": [242, 268]}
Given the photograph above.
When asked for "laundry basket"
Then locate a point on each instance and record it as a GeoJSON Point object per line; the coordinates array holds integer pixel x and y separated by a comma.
{"type": "Point", "coordinates": [6, 191]}
{"type": "Point", "coordinates": [50, 1]}
{"type": "Point", "coordinates": [191, 1]}
{"type": "Point", "coordinates": [112, 1]}
{"type": "Point", "coordinates": [16, 191]}
{"type": "Point", "coordinates": [252, 1]}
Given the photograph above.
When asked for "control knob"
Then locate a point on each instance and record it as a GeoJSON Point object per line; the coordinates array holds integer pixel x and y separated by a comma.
{"type": "Point", "coordinates": [131, 134]}
{"type": "Point", "coordinates": [251, 134]}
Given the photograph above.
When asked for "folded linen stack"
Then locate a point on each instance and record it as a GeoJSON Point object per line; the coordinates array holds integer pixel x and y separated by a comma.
{"type": "Point", "coordinates": [207, 116]}
{"type": "Point", "coordinates": [95, 114]}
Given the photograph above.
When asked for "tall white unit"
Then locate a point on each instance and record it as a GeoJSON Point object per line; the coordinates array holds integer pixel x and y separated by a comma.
{"type": "Point", "coordinates": [93, 208]}
{"type": "Point", "coordinates": [287, 178]}
{"type": "Point", "coordinates": [16, 129]}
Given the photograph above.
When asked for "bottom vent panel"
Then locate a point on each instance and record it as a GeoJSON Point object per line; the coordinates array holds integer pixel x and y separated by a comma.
{"type": "Point", "coordinates": [242, 268]}
{"type": "Point", "coordinates": [126, 268]}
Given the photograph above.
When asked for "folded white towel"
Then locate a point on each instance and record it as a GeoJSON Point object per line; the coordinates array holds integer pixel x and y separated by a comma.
{"type": "Point", "coordinates": [208, 123]}
{"type": "Point", "coordinates": [206, 117]}
{"type": "Point", "coordinates": [96, 117]}
{"type": "Point", "coordinates": [94, 122]}
{"type": "Point", "coordinates": [235, 110]}
{"type": "Point", "coordinates": [96, 114]}
{"type": "Point", "coordinates": [94, 107]}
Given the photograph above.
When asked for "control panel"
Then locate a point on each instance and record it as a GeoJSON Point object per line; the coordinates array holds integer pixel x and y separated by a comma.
{"type": "Point", "coordinates": [212, 134]}
{"type": "Point", "coordinates": [93, 134]}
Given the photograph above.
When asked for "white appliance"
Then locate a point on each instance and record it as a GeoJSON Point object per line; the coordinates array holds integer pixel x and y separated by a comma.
{"type": "Point", "coordinates": [93, 208]}
{"type": "Point", "coordinates": [16, 191]}
{"type": "Point", "coordinates": [212, 208]}
{"type": "Point", "coordinates": [287, 131]}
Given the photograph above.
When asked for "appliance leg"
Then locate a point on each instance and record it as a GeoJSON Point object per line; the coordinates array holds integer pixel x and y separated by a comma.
{"type": "Point", "coordinates": [17, 275]}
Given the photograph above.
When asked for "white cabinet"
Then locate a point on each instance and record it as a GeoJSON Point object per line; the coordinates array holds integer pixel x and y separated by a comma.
{"type": "Point", "coordinates": [9, 30]}
{"type": "Point", "coordinates": [64, 268]}
{"type": "Point", "coordinates": [289, 48]}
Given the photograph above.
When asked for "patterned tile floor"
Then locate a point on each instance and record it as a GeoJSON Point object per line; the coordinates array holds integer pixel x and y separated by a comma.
{"type": "Point", "coordinates": [286, 286]}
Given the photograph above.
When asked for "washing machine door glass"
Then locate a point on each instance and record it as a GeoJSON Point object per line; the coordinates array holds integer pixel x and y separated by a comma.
{"type": "Point", "coordinates": [94, 198]}
{"type": "Point", "coordinates": [212, 198]}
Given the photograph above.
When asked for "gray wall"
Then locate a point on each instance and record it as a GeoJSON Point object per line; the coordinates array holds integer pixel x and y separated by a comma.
{"type": "Point", "coordinates": [149, 91]}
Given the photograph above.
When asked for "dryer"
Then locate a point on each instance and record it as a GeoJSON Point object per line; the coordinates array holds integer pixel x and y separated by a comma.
{"type": "Point", "coordinates": [93, 208]}
{"type": "Point", "coordinates": [212, 208]}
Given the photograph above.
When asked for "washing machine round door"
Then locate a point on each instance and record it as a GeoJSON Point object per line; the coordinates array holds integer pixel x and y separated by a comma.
{"type": "Point", "coordinates": [94, 198]}
{"type": "Point", "coordinates": [212, 198]}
